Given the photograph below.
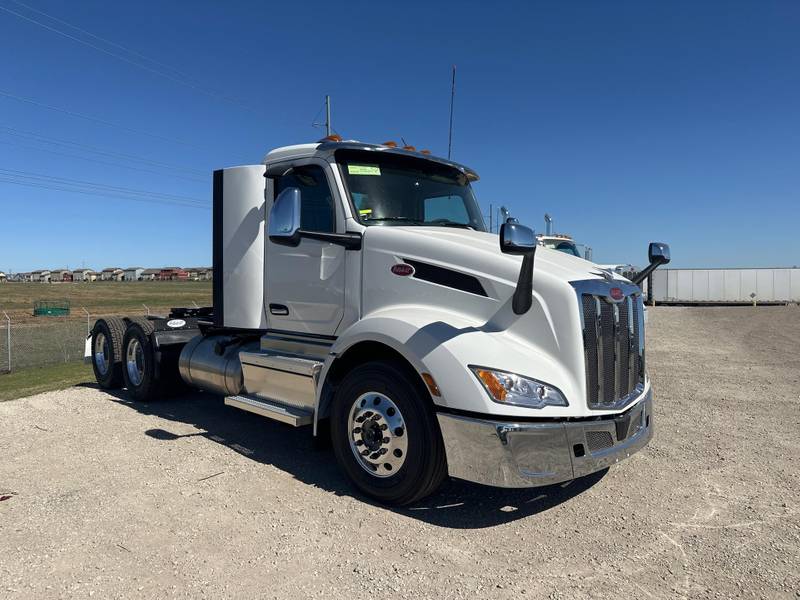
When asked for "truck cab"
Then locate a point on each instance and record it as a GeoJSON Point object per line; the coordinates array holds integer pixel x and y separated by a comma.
{"type": "Point", "coordinates": [357, 290]}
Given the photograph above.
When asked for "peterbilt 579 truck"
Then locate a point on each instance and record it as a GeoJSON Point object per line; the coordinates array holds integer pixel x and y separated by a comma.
{"type": "Point", "coordinates": [357, 290]}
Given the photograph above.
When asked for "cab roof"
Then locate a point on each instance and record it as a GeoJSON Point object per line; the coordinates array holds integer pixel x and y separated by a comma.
{"type": "Point", "coordinates": [326, 148]}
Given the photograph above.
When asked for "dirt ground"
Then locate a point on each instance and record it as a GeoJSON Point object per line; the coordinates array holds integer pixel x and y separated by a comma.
{"type": "Point", "coordinates": [192, 499]}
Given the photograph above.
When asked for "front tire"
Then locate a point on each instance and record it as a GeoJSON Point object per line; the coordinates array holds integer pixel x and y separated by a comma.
{"type": "Point", "coordinates": [385, 435]}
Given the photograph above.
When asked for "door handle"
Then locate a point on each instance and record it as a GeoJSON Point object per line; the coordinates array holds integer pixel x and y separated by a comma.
{"type": "Point", "coordinates": [278, 309]}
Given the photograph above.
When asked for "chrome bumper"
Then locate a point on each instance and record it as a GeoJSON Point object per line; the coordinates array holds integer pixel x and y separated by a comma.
{"type": "Point", "coordinates": [507, 454]}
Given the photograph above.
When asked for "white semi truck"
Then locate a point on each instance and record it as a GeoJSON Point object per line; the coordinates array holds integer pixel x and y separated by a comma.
{"type": "Point", "coordinates": [356, 290]}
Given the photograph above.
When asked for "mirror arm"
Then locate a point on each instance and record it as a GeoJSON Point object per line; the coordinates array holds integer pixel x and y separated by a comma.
{"type": "Point", "coordinates": [644, 273]}
{"type": "Point", "coordinates": [523, 295]}
{"type": "Point", "coordinates": [350, 240]}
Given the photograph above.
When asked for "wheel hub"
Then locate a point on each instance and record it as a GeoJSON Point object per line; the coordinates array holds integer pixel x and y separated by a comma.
{"type": "Point", "coordinates": [134, 359]}
{"type": "Point", "coordinates": [377, 434]}
{"type": "Point", "coordinates": [101, 353]}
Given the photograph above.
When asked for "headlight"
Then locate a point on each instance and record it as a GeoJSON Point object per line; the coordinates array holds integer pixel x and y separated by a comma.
{"type": "Point", "coordinates": [510, 388]}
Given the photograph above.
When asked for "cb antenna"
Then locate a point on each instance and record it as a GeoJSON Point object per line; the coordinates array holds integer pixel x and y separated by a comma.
{"type": "Point", "coordinates": [452, 100]}
{"type": "Point", "coordinates": [328, 127]}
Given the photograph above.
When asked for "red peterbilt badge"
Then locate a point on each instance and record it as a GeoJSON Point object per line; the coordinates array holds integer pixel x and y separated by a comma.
{"type": "Point", "coordinates": [402, 269]}
{"type": "Point", "coordinates": [616, 294]}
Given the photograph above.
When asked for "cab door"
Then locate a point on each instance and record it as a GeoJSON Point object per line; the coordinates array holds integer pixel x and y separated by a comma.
{"type": "Point", "coordinates": [305, 284]}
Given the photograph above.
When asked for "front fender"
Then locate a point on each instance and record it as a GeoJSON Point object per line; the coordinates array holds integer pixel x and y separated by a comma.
{"type": "Point", "coordinates": [444, 343]}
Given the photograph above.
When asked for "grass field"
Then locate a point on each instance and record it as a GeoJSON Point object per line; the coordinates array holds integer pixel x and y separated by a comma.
{"type": "Point", "coordinates": [27, 382]}
{"type": "Point", "coordinates": [103, 297]}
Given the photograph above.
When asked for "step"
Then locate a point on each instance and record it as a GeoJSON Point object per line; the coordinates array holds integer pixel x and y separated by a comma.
{"type": "Point", "coordinates": [271, 409]}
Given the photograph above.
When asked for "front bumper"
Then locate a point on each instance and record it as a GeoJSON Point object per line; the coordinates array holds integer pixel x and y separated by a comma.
{"type": "Point", "coordinates": [509, 454]}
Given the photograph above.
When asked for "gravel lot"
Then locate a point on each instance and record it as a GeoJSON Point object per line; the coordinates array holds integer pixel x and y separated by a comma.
{"type": "Point", "coordinates": [190, 498]}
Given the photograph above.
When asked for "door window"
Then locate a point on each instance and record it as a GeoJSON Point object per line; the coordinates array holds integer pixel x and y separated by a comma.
{"type": "Point", "coordinates": [317, 210]}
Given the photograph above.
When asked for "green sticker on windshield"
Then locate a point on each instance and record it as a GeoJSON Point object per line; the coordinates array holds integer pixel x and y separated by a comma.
{"type": "Point", "coordinates": [363, 169]}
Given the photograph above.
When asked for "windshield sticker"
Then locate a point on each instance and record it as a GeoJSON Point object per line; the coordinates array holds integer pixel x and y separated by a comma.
{"type": "Point", "coordinates": [365, 211]}
{"type": "Point", "coordinates": [363, 169]}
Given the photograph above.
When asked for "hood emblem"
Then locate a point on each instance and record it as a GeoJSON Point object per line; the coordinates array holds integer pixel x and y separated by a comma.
{"type": "Point", "coordinates": [605, 274]}
{"type": "Point", "coordinates": [616, 294]}
{"type": "Point", "coordinates": [402, 269]}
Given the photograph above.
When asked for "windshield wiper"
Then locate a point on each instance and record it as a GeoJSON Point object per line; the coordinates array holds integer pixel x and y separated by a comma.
{"type": "Point", "coordinates": [449, 223]}
{"type": "Point", "coordinates": [403, 219]}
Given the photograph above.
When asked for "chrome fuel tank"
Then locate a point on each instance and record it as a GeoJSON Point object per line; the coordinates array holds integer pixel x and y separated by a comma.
{"type": "Point", "coordinates": [212, 363]}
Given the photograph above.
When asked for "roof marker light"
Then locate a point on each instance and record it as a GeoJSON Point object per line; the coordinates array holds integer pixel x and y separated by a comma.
{"type": "Point", "coordinates": [410, 148]}
{"type": "Point", "coordinates": [389, 144]}
{"type": "Point", "coordinates": [425, 152]}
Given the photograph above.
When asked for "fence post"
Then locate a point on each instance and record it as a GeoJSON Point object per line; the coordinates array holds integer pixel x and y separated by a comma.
{"type": "Point", "coordinates": [88, 321]}
{"type": "Point", "coordinates": [8, 338]}
{"type": "Point", "coordinates": [146, 309]}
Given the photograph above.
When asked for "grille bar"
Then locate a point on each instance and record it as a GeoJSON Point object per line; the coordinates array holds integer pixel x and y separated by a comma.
{"type": "Point", "coordinates": [613, 348]}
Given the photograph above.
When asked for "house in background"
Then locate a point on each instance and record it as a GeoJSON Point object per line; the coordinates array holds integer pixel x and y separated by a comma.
{"type": "Point", "coordinates": [24, 277]}
{"type": "Point", "coordinates": [150, 274]}
{"type": "Point", "coordinates": [133, 273]}
{"type": "Point", "coordinates": [60, 275]}
{"type": "Point", "coordinates": [41, 276]}
{"type": "Point", "coordinates": [199, 273]}
{"type": "Point", "coordinates": [2, 277]}
{"type": "Point", "coordinates": [173, 274]}
{"type": "Point", "coordinates": [112, 274]}
{"type": "Point", "coordinates": [84, 275]}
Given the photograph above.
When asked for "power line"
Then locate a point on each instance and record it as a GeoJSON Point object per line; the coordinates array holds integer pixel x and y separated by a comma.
{"type": "Point", "coordinates": [99, 193]}
{"type": "Point", "coordinates": [103, 162]}
{"type": "Point", "coordinates": [183, 80]}
{"type": "Point", "coordinates": [38, 177]}
{"type": "Point", "coordinates": [101, 121]}
{"type": "Point", "coordinates": [37, 137]}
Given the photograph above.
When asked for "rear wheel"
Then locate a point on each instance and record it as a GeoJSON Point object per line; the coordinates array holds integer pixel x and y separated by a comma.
{"type": "Point", "coordinates": [139, 370]}
{"type": "Point", "coordinates": [107, 337]}
{"type": "Point", "coordinates": [385, 435]}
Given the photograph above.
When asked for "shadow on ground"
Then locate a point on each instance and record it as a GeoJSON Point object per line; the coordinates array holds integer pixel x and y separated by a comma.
{"type": "Point", "coordinates": [458, 504]}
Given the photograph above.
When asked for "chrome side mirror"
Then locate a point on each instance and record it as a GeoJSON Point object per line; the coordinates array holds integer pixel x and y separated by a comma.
{"type": "Point", "coordinates": [517, 239]}
{"type": "Point", "coordinates": [520, 240]}
{"type": "Point", "coordinates": [284, 218]}
{"type": "Point", "coordinates": [658, 252]}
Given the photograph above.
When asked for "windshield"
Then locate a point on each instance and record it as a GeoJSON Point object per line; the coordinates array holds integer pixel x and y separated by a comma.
{"type": "Point", "coordinates": [562, 246]}
{"type": "Point", "coordinates": [387, 189]}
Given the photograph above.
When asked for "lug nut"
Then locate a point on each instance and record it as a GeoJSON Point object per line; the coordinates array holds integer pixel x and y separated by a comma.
{"type": "Point", "coordinates": [364, 452]}
{"type": "Point", "coordinates": [359, 442]}
{"type": "Point", "coordinates": [383, 451]}
{"type": "Point", "coordinates": [357, 430]}
{"type": "Point", "coordinates": [375, 455]}
{"type": "Point", "coordinates": [385, 440]}
{"type": "Point", "coordinates": [384, 427]}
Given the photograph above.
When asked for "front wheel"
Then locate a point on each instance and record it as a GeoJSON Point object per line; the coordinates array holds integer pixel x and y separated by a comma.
{"type": "Point", "coordinates": [385, 435]}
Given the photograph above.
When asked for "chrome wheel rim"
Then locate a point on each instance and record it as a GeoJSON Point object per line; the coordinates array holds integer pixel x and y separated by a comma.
{"type": "Point", "coordinates": [134, 359]}
{"type": "Point", "coordinates": [101, 353]}
{"type": "Point", "coordinates": [377, 434]}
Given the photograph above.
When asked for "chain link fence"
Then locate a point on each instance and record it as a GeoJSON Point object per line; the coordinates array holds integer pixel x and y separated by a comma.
{"type": "Point", "coordinates": [44, 341]}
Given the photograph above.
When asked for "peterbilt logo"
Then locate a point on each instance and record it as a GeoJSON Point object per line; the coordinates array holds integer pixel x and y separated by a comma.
{"type": "Point", "coordinates": [615, 294]}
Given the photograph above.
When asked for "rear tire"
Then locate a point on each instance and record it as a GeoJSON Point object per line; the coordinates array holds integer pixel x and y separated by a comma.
{"type": "Point", "coordinates": [139, 363]}
{"type": "Point", "coordinates": [385, 435]}
{"type": "Point", "coordinates": [107, 337]}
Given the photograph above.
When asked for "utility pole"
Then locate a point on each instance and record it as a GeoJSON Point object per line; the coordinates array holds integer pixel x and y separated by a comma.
{"type": "Point", "coordinates": [327, 115]}
{"type": "Point", "coordinates": [452, 100]}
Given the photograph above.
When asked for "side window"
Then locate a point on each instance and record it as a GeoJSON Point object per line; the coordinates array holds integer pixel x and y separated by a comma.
{"type": "Point", "coordinates": [450, 208]}
{"type": "Point", "coordinates": [318, 213]}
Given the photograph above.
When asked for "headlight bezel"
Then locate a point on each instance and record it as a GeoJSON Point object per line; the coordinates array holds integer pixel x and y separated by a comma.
{"type": "Point", "coordinates": [553, 396]}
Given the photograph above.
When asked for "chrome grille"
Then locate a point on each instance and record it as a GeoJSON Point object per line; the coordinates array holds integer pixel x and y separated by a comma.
{"type": "Point", "coordinates": [613, 348]}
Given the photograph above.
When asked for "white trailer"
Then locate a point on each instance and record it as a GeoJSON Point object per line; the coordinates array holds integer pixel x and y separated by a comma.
{"type": "Point", "coordinates": [726, 286]}
{"type": "Point", "coordinates": [357, 290]}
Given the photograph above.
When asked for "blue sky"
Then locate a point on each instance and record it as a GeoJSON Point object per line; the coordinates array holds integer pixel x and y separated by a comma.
{"type": "Point", "coordinates": [628, 122]}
